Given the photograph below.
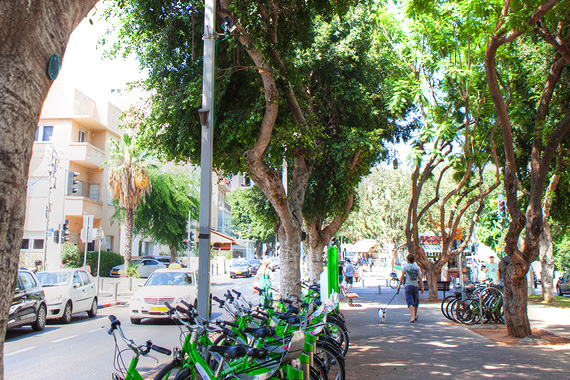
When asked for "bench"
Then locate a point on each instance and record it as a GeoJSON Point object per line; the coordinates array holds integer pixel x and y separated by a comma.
{"type": "Point", "coordinates": [442, 286]}
{"type": "Point", "coordinates": [348, 296]}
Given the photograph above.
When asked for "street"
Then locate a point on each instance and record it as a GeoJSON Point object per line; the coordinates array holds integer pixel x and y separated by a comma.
{"type": "Point", "coordinates": [83, 349]}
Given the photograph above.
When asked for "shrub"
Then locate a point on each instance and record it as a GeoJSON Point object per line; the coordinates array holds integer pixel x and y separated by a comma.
{"type": "Point", "coordinates": [108, 261]}
{"type": "Point", "coordinates": [70, 256]}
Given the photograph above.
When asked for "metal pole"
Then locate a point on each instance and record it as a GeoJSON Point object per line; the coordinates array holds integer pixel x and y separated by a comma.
{"type": "Point", "coordinates": [99, 263]}
{"type": "Point", "coordinates": [208, 91]}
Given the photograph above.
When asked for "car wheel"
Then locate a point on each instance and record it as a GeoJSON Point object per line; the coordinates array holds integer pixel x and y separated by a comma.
{"type": "Point", "coordinates": [135, 321]}
{"type": "Point", "coordinates": [66, 317]}
{"type": "Point", "coordinates": [40, 322]}
{"type": "Point", "coordinates": [93, 312]}
{"type": "Point", "coordinates": [559, 291]}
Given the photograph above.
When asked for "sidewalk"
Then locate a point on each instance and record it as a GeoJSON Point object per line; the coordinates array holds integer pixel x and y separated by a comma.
{"type": "Point", "coordinates": [435, 348]}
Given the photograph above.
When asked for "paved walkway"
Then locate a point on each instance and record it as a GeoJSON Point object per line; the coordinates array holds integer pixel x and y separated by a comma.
{"type": "Point", "coordinates": [434, 348]}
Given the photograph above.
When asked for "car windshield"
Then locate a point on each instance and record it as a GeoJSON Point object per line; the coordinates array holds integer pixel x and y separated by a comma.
{"type": "Point", "coordinates": [240, 264]}
{"type": "Point", "coordinates": [136, 262]}
{"type": "Point", "coordinates": [170, 278]}
{"type": "Point", "coordinates": [254, 262]}
{"type": "Point", "coordinates": [53, 278]}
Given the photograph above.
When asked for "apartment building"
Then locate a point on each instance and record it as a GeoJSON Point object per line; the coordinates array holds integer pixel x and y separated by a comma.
{"type": "Point", "coordinates": [71, 138]}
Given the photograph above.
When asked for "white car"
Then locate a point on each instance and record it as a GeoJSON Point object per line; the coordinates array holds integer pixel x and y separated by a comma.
{"type": "Point", "coordinates": [68, 291]}
{"type": "Point", "coordinates": [171, 285]}
{"type": "Point", "coordinates": [145, 267]}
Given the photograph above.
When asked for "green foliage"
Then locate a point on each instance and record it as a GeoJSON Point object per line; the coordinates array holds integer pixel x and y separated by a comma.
{"type": "Point", "coordinates": [163, 213]}
{"type": "Point", "coordinates": [253, 217]}
{"type": "Point", "coordinates": [132, 271]}
{"type": "Point", "coordinates": [108, 261]}
{"type": "Point", "coordinates": [69, 255]}
{"type": "Point", "coordinates": [562, 253]}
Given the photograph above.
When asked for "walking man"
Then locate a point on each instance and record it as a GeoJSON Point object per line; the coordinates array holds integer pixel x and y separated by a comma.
{"type": "Point", "coordinates": [411, 278]}
{"type": "Point", "coordinates": [348, 274]}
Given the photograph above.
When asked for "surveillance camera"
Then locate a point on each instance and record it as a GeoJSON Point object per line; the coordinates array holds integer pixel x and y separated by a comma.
{"type": "Point", "coordinates": [228, 25]}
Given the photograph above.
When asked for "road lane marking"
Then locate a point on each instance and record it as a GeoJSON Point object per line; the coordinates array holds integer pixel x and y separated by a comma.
{"type": "Point", "coordinates": [95, 330]}
{"type": "Point", "coordinates": [19, 351]}
{"type": "Point", "coordinates": [66, 338]}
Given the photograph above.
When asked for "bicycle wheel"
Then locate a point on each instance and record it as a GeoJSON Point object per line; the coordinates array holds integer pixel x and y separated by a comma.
{"type": "Point", "coordinates": [444, 304]}
{"type": "Point", "coordinates": [169, 372]}
{"type": "Point", "coordinates": [188, 374]}
{"type": "Point", "coordinates": [394, 282]}
{"type": "Point", "coordinates": [332, 361]}
{"type": "Point", "coordinates": [318, 370]}
{"type": "Point", "coordinates": [467, 312]}
{"type": "Point", "coordinates": [338, 331]}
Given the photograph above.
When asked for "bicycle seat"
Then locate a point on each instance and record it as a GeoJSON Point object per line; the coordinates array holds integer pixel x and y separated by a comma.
{"type": "Point", "coordinates": [237, 351]}
{"type": "Point", "coordinates": [290, 319]}
{"type": "Point", "coordinates": [258, 353]}
{"type": "Point", "coordinates": [260, 332]}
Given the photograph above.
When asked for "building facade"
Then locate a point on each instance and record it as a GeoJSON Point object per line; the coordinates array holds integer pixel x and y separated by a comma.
{"type": "Point", "coordinates": [67, 181]}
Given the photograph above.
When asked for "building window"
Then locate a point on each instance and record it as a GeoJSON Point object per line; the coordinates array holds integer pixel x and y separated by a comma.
{"type": "Point", "coordinates": [38, 244]}
{"type": "Point", "coordinates": [94, 191]}
{"type": "Point", "coordinates": [82, 136]}
{"type": "Point", "coordinates": [44, 133]}
{"type": "Point", "coordinates": [25, 244]}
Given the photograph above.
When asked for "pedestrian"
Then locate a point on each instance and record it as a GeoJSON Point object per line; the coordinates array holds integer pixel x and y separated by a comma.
{"type": "Point", "coordinates": [264, 275]}
{"type": "Point", "coordinates": [348, 274]}
{"type": "Point", "coordinates": [493, 270]}
{"type": "Point", "coordinates": [411, 278]}
{"type": "Point", "coordinates": [340, 272]}
{"type": "Point", "coordinates": [482, 273]}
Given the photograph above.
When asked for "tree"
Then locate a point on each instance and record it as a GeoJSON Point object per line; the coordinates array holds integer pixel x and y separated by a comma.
{"type": "Point", "coordinates": [30, 34]}
{"type": "Point", "coordinates": [129, 181]}
{"type": "Point", "coordinates": [263, 112]}
{"type": "Point", "coordinates": [457, 137]}
{"type": "Point", "coordinates": [163, 213]}
{"type": "Point", "coordinates": [253, 217]}
{"type": "Point", "coordinates": [383, 201]}
{"type": "Point", "coordinates": [548, 22]}
{"type": "Point", "coordinates": [349, 74]}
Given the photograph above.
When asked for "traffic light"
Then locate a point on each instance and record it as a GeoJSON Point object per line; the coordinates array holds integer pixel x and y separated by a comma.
{"type": "Point", "coordinates": [192, 240]}
{"type": "Point", "coordinates": [502, 206]}
{"type": "Point", "coordinates": [65, 233]}
{"type": "Point", "coordinates": [72, 182]}
{"type": "Point", "coordinates": [185, 244]}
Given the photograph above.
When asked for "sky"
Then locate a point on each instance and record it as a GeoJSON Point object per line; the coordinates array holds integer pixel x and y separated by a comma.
{"type": "Point", "coordinates": [84, 67]}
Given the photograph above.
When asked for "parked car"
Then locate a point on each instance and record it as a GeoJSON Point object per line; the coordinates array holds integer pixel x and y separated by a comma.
{"type": "Point", "coordinates": [28, 306]}
{"type": "Point", "coordinates": [254, 263]}
{"type": "Point", "coordinates": [240, 268]}
{"type": "Point", "coordinates": [68, 291]}
{"type": "Point", "coordinates": [163, 259]}
{"type": "Point", "coordinates": [164, 285]}
{"type": "Point", "coordinates": [145, 267]}
{"type": "Point", "coordinates": [563, 284]}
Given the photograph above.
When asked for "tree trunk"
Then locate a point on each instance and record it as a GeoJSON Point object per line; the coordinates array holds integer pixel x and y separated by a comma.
{"type": "Point", "coordinates": [290, 259]}
{"type": "Point", "coordinates": [173, 253]}
{"type": "Point", "coordinates": [129, 224]}
{"type": "Point", "coordinates": [31, 32]}
{"type": "Point", "coordinates": [316, 245]}
{"type": "Point", "coordinates": [432, 275]}
{"type": "Point", "coordinates": [547, 264]}
{"type": "Point", "coordinates": [515, 304]}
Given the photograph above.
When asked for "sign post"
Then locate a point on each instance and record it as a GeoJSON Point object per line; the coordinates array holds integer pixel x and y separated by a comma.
{"type": "Point", "coordinates": [86, 234]}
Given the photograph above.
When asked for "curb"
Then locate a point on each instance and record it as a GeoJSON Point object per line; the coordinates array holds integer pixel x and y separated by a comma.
{"type": "Point", "coordinates": [113, 303]}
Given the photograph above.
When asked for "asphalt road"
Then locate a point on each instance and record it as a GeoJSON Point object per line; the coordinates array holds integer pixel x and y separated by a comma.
{"type": "Point", "coordinates": [84, 350]}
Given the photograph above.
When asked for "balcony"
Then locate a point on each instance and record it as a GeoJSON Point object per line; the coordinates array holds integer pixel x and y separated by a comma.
{"type": "Point", "coordinates": [86, 155]}
{"type": "Point", "coordinates": [82, 206]}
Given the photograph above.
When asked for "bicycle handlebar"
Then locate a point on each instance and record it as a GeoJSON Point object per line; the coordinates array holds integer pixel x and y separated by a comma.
{"type": "Point", "coordinates": [139, 350]}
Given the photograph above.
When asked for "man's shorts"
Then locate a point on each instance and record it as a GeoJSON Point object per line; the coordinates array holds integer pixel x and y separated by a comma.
{"type": "Point", "coordinates": [412, 296]}
{"type": "Point", "coordinates": [348, 280]}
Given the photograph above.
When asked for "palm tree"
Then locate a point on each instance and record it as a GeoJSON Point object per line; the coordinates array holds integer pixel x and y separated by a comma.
{"type": "Point", "coordinates": [129, 181]}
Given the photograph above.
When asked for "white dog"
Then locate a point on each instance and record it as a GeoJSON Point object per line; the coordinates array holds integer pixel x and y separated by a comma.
{"type": "Point", "coordinates": [382, 315]}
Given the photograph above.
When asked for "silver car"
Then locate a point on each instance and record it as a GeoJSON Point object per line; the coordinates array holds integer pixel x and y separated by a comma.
{"type": "Point", "coordinates": [145, 267]}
